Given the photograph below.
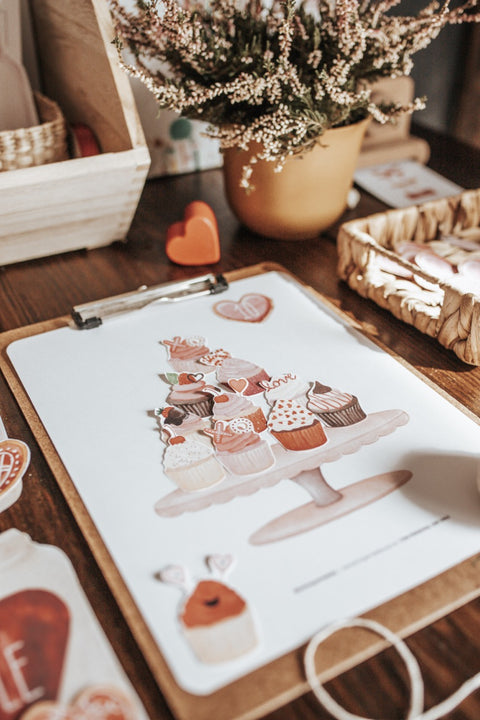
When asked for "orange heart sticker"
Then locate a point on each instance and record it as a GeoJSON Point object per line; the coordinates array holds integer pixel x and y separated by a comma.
{"type": "Point", "coordinates": [195, 240]}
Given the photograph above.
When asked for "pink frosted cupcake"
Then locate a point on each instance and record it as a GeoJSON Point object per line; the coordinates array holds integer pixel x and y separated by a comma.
{"type": "Point", "coordinates": [285, 387]}
{"type": "Point", "coordinates": [240, 375]}
{"type": "Point", "coordinates": [228, 406]}
{"type": "Point", "coordinates": [191, 464]}
{"type": "Point", "coordinates": [333, 407]}
{"type": "Point", "coordinates": [234, 370]}
{"type": "Point", "coordinates": [295, 427]}
{"type": "Point", "coordinates": [189, 392]}
{"type": "Point", "coordinates": [184, 354]}
{"type": "Point", "coordinates": [240, 449]}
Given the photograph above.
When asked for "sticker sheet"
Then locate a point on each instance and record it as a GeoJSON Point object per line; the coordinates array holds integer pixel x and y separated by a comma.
{"type": "Point", "coordinates": [256, 468]}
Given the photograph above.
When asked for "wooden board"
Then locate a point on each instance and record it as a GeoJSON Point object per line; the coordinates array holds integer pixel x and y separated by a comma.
{"type": "Point", "coordinates": [281, 680]}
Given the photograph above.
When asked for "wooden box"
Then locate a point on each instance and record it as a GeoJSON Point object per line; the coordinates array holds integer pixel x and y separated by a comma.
{"type": "Point", "coordinates": [422, 263]}
{"type": "Point", "coordinates": [89, 201]}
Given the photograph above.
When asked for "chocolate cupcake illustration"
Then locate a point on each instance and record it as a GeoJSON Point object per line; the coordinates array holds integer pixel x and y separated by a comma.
{"type": "Point", "coordinates": [189, 392]}
{"type": "Point", "coordinates": [333, 407]}
{"type": "Point", "coordinates": [215, 619]}
{"type": "Point", "coordinates": [177, 421]}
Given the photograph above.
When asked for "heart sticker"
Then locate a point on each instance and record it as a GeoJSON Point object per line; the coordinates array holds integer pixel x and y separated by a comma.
{"type": "Point", "coordinates": [94, 703]}
{"type": "Point", "coordinates": [252, 307]}
{"type": "Point", "coordinates": [14, 459]}
{"type": "Point", "coordinates": [175, 575]}
{"type": "Point", "coordinates": [194, 241]}
{"type": "Point", "coordinates": [239, 385]}
{"type": "Point", "coordinates": [220, 563]}
{"type": "Point", "coordinates": [34, 632]}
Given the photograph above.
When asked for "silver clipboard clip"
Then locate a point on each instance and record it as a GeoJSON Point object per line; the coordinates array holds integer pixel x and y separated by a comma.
{"type": "Point", "coordinates": [91, 315]}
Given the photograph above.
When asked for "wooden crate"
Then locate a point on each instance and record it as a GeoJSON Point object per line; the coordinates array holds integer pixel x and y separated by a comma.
{"type": "Point", "coordinates": [86, 202]}
{"type": "Point", "coordinates": [371, 261]}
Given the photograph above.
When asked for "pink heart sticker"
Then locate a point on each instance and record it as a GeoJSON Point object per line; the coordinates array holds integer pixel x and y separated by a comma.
{"type": "Point", "coordinates": [252, 307]}
{"type": "Point", "coordinates": [239, 385]}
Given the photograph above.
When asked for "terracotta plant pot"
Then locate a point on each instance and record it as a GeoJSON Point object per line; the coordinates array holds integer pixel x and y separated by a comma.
{"type": "Point", "coordinates": [307, 196]}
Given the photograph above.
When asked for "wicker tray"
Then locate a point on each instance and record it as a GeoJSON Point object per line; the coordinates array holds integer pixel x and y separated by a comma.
{"type": "Point", "coordinates": [374, 261]}
{"type": "Point", "coordinates": [36, 145]}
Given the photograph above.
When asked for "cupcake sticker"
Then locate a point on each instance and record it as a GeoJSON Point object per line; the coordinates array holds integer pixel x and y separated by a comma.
{"type": "Point", "coordinates": [240, 448]}
{"type": "Point", "coordinates": [14, 460]}
{"type": "Point", "coordinates": [214, 618]}
{"type": "Point", "coordinates": [191, 464]}
{"type": "Point", "coordinates": [189, 392]}
{"type": "Point", "coordinates": [184, 354]}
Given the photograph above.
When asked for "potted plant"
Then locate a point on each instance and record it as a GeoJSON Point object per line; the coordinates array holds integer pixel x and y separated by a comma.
{"type": "Point", "coordinates": [285, 86]}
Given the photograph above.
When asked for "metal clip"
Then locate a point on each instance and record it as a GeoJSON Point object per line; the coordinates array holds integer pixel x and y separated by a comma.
{"type": "Point", "coordinates": [92, 314]}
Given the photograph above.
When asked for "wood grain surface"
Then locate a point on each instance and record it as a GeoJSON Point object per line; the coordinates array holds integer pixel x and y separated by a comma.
{"type": "Point", "coordinates": [448, 650]}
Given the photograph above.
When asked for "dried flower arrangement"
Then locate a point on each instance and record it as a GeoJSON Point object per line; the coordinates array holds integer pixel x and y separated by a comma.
{"type": "Point", "coordinates": [277, 73]}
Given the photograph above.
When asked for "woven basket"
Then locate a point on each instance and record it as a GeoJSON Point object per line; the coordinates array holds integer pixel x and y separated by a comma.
{"type": "Point", "coordinates": [366, 251]}
{"type": "Point", "coordinates": [37, 145]}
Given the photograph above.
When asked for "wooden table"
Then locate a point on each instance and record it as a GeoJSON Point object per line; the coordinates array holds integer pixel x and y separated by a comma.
{"type": "Point", "coordinates": [448, 650]}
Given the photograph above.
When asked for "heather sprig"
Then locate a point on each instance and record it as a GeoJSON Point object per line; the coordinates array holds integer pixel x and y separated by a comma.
{"type": "Point", "coordinates": [276, 74]}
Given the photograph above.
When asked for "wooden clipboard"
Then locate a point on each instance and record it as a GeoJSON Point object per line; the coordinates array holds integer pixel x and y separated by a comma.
{"type": "Point", "coordinates": [283, 679]}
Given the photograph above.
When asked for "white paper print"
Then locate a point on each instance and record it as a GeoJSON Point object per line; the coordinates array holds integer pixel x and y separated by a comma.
{"type": "Point", "coordinates": [309, 546]}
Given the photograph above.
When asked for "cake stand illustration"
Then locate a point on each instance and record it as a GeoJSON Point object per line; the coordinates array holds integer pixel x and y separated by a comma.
{"type": "Point", "coordinates": [304, 468]}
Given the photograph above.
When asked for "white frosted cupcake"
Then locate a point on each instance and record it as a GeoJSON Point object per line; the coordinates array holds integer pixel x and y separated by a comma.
{"type": "Point", "coordinates": [295, 427]}
{"type": "Point", "coordinates": [285, 387]}
{"type": "Point", "coordinates": [191, 464]}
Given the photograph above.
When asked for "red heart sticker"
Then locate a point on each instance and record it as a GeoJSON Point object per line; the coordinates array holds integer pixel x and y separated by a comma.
{"type": "Point", "coordinates": [101, 702]}
{"type": "Point", "coordinates": [14, 459]}
{"type": "Point", "coordinates": [194, 241]}
{"type": "Point", "coordinates": [250, 308]}
{"type": "Point", "coordinates": [34, 627]}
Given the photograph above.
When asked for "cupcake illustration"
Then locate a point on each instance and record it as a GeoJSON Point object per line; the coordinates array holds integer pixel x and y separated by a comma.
{"type": "Point", "coordinates": [295, 427]}
{"type": "Point", "coordinates": [285, 387]}
{"type": "Point", "coordinates": [233, 369]}
{"type": "Point", "coordinates": [239, 448]}
{"type": "Point", "coordinates": [189, 392]}
{"type": "Point", "coordinates": [179, 421]}
{"type": "Point", "coordinates": [191, 464]}
{"type": "Point", "coordinates": [333, 407]}
{"type": "Point", "coordinates": [228, 405]}
{"type": "Point", "coordinates": [215, 619]}
{"type": "Point", "coordinates": [184, 354]}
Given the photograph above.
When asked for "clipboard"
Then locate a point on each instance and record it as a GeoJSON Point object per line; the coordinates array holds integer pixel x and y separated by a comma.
{"type": "Point", "coordinates": [280, 680]}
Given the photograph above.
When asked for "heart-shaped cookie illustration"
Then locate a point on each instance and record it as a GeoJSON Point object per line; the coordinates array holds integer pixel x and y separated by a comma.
{"type": "Point", "coordinates": [100, 702]}
{"type": "Point", "coordinates": [34, 626]}
{"type": "Point", "coordinates": [14, 459]}
{"type": "Point", "coordinates": [194, 241]}
{"type": "Point", "coordinates": [252, 307]}
{"type": "Point", "coordinates": [239, 385]}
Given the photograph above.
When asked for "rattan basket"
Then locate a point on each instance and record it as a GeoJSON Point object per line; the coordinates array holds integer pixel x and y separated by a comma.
{"type": "Point", "coordinates": [370, 262]}
{"type": "Point", "coordinates": [37, 145]}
